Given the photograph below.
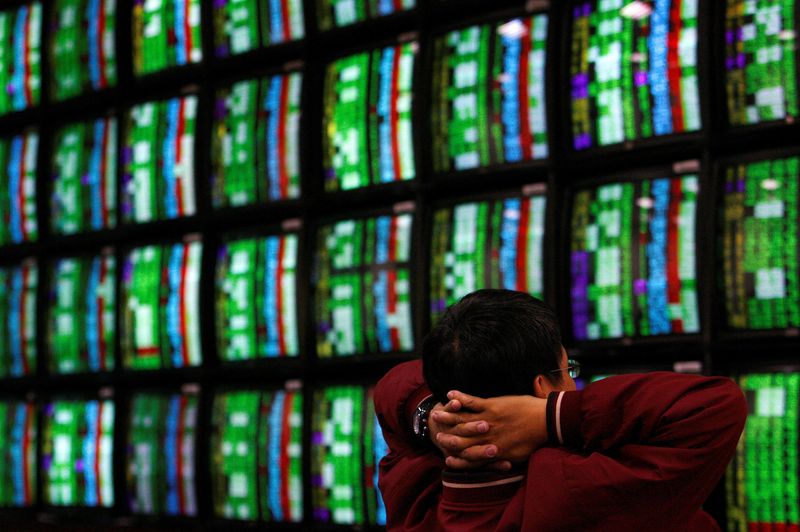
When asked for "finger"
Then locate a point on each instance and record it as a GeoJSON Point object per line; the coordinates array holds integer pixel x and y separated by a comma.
{"type": "Point", "coordinates": [449, 418]}
{"type": "Point", "coordinates": [457, 445]}
{"type": "Point", "coordinates": [454, 462]}
{"type": "Point", "coordinates": [470, 402]}
{"type": "Point", "coordinates": [453, 406]}
{"type": "Point", "coordinates": [473, 428]}
{"type": "Point", "coordinates": [500, 465]}
{"type": "Point", "coordinates": [476, 452]}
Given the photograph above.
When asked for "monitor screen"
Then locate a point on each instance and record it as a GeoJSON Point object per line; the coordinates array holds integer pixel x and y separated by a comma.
{"type": "Point", "coordinates": [337, 13]}
{"type": "Point", "coordinates": [256, 141]}
{"type": "Point", "coordinates": [363, 286]}
{"type": "Point", "coordinates": [166, 34]}
{"type": "Point", "coordinates": [490, 243]}
{"type": "Point", "coordinates": [632, 261]}
{"type": "Point", "coordinates": [489, 94]}
{"type": "Point", "coordinates": [244, 25]}
{"type": "Point", "coordinates": [161, 446]}
{"type": "Point", "coordinates": [257, 298]}
{"type": "Point", "coordinates": [760, 61]}
{"type": "Point", "coordinates": [257, 455]}
{"type": "Point", "coordinates": [78, 453]}
{"type": "Point", "coordinates": [84, 193]}
{"type": "Point", "coordinates": [158, 164]}
{"type": "Point", "coordinates": [760, 216]}
{"type": "Point", "coordinates": [346, 446]}
{"type": "Point", "coordinates": [18, 319]}
{"type": "Point", "coordinates": [82, 47]}
{"type": "Point", "coordinates": [633, 71]}
{"type": "Point", "coordinates": [161, 306]}
{"type": "Point", "coordinates": [18, 467]}
{"type": "Point", "coordinates": [18, 157]}
{"type": "Point", "coordinates": [367, 118]}
{"type": "Point", "coordinates": [20, 57]}
{"type": "Point", "coordinates": [82, 314]}
{"type": "Point", "coordinates": [762, 481]}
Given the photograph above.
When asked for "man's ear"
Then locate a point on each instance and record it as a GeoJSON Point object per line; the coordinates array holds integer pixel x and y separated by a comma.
{"type": "Point", "coordinates": [541, 386]}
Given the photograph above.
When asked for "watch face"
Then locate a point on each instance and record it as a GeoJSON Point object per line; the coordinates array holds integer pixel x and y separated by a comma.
{"type": "Point", "coordinates": [417, 424]}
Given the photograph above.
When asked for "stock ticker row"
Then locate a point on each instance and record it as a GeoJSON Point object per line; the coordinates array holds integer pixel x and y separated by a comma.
{"type": "Point", "coordinates": [245, 461]}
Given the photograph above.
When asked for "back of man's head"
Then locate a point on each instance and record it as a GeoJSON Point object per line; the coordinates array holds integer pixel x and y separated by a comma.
{"type": "Point", "coordinates": [492, 343]}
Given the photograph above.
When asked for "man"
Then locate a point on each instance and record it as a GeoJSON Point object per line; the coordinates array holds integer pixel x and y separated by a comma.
{"type": "Point", "coordinates": [635, 452]}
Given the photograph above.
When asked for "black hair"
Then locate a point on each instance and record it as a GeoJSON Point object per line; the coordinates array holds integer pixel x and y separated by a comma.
{"type": "Point", "coordinates": [492, 343]}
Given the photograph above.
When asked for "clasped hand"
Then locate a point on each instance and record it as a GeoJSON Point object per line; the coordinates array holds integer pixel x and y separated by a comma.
{"type": "Point", "coordinates": [472, 432]}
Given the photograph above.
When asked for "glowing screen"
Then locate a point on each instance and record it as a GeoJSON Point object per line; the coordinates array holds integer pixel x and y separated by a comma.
{"type": "Point", "coordinates": [18, 319]}
{"type": "Point", "coordinates": [161, 306]}
{"type": "Point", "coordinates": [489, 103]}
{"type": "Point", "coordinates": [760, 60]}
{"type": "Point", "coordinates": [367, 130]}
{"type": "Point", "coordinates": [633, 71]}
{"type": "Point", "coordinates": [158, 160]}
{"type": "Point", "coordinates": [257, 298]}
{"type": "Point", "coordinates": [256, 141]}
{"type": "Point", "coordinates": [161, 454]}
{"type": "Point", "coordinates": [244, 25]}
{"type": "Point", "coordinates": [346, 446]}
{"type": "Point", "coordinates": [20, 57]}
{"type": "Point", "coordinates": [257, 453]}
{"type": "Point", "coordinates": [77, 456]}
{"type": "Point", "coordinates": [363, 286]}
{"type": "Point", "coordinates": [18, 468]}
{"type": "Point", "coordinates": [82, 52]}
{"type": "Point", "coordinates": [338, 13]}
{"type": "Point", "coordinates": [18, 188]}
{"type": "Point", "coordinates": [763, 478]}
{"type": "Point", "coordinates": [633, 259]}
{"type": "Point", "coordinates": [494, 243]}
{"type": "Point", "coordinates": [166, 33]}
{"type": "Point", "coordinates": [81, 320]}
{"type": "Point", "coordinates": [760, 255]}
{"type": "Point", "coordinates": [84, 177]}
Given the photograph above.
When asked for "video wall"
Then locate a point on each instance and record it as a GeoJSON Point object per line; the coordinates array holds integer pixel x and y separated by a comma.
{"type": "Point", "coordinates": [222, 222]}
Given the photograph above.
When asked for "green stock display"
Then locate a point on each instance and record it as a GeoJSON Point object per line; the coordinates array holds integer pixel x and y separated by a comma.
{"type": "Point", "coordinates": [763, 479]}
{"type": "Point", "coordinates": [82, 314]}
{"type": "Point", "coordinates": [83, 47]}
{"type": "Point", "coordinates": [161, 306]}
{"type": "Point", "coordinates": [367, 124]}
{"type": "Point", "coordinates": [256, 141]}
{"type": "Point", "coordinates": [18, 464]}
{"type": "Point", "coordinates": [18, 305]}
{"type": "Point", "coordinates": [339, 13]}
{"type": "Point", "coordinates": [20, 57]}
{"type": "Point", "coordinates": [487, 244]}
{"type": "Point", "coordinates": [761, 60]}
{"type": "Point", "coordinates": [488, 93]}
{"type": "Point", "coordinates": [257, 298]}
{"type": "Point", "coordinates": [166, 34]}
{"type": "Point", "coordinates": [345, 450]}
{"type": "Point", "coordinates": [244, 25]}
{"type": "Point", "coordinates": [162, 439]}
{"type": "Point", "coordinates": [78, 451]}
{"type": "Point", "coordinates": [363, 286]}
{"type": "Point", "coordinates": [84, 174]}
{"type": "Point", "coordinates": [758, 242]}
{"type": "Point", "coordinates": [256, 455]}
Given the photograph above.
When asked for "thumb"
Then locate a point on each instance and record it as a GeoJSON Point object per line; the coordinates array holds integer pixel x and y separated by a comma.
{"type": "Point", "coordinates": [470, 402]}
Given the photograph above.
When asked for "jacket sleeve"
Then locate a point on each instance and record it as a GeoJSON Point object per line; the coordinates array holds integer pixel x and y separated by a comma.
{"type": "Point", "coordinates": [649, 447]}
{"type": "Point", "coordinates": [410, 475]}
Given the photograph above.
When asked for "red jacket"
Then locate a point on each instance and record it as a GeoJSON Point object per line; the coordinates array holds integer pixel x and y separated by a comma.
{"type": "Point", "coordinates": [640, 452]}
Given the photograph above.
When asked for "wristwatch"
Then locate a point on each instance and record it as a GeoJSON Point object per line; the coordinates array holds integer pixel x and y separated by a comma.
{"type": "Point", "coordinates": [420, 421]}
